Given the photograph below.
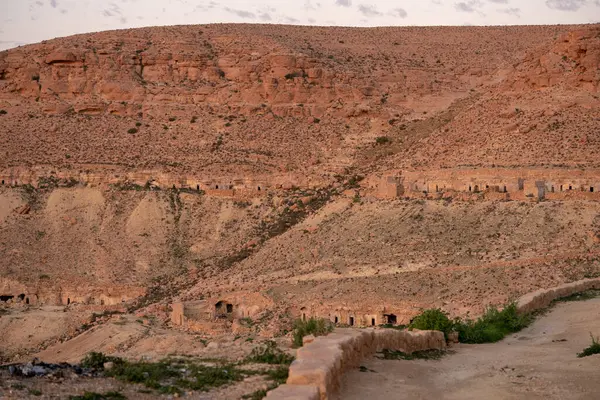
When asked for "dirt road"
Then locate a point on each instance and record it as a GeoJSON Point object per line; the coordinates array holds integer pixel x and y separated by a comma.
{"type": "Point", "coordinates": [539, 362]}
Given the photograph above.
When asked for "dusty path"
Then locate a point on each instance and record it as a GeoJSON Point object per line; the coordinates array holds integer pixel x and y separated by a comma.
{"type": "Point", "coordinates": [535, 363]}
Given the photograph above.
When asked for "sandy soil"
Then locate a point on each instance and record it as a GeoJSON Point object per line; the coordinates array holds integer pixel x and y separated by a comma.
{"type": "Point", "coordinates": [539, 362]}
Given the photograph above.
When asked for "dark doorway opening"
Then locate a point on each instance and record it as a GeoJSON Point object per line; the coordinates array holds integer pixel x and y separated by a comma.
{"type": "Point", "coordinates": [372, 321]}
{"type": "Point", "coordinates": [391, 319]}
{"type": "Point", "coordinates": [27, 300]}
{"type": "Point", "coordinates": [216, 186]}
{"type": "Point", "coordinates": [6, 298]}
{"type": "Point", "coordinates": [436, 188]}
{"type": "Point", "coordinates": [198, 187]}
{"type": "Point", "coordinates": [552, 189]}
{"type": "Point", "coordinates": [229, 308]}
{"type": "Point", "coordinates": [303, 317]}
{"type": "Point", "coordinates": [259, 188]}
{"type": "Point", "coordinates": [351, 321]}
{"type": "Point", "coordinates": [21, 296]}
{"type": "Point", "coordinates": [476, 188]}
{"type": "Point", "coordinates": [561, 188]}
{"type": "Point", "coordinates": [504, 189]}
{"type": "Point", "coordinates": [591, 189]}
{"type": "Point", "coordinates": [3, 181]}
{"type": "Point", "coordinates": [570, 187]}
{"type": "Point", "coordinates": [336, 320]}
{"type": "Point", "coordinates": [68, 301]}
{"type": "Point", "coordinates": [470, 189]}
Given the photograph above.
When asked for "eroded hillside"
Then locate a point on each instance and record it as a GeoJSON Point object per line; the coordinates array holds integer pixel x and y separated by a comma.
{"type": "Point", "coordinates": [228, 179]}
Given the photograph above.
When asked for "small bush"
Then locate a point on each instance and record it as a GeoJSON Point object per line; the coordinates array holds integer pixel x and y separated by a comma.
{"type": "Point", "coordinates": [269, 354]}
{"type": "Point", "coordinates": [172, 119]}
{"type": "Point", "coordinates": [381, 140]}
{"type": "Point", "coordinates": [3, 112]}
{"type": "Point", "coordinates": [293, 75]}
{"type": "Point", "coordinates": [593, 349]}
{"type": "Point", "coordinates": [194, 119]}
{"type": "Point", "coordinates": [417, 355]}
{"type": "Point", "coordinates": [493, 326]}
{"type": "Point", "coordinates": [433, 320]}
{"type": "Point", "coordinates": [96, 360]}
{"type": "Point", "coordinates": [98, 396]}
{"type": "Point", "coordinates": [132, 131]}
{"type": "Point", "coordinates": [138, 124]}
{"type": "Point", "coordinates": [313, 326]}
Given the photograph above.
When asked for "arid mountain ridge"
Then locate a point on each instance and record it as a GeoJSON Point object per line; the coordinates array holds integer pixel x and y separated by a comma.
{"type": "Point", "coordinates": [281, 99]}
{"type": "Point", "coordinates": [298, 170]}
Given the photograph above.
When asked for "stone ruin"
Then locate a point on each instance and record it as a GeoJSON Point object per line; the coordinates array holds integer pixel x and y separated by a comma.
{"type": "Point", "coordinates": [494, 183]}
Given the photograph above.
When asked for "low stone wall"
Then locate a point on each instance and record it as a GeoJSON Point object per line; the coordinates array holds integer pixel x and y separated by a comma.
{"type": "Point", "coordinates": [542, 298]}
{"type": "Point", "coordinates": [320, 365]}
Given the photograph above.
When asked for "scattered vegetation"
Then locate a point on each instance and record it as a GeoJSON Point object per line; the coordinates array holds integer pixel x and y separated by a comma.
{"type": "Point", "coordinates": [3, 112]}
{"type": "Point", "coordinates": [173, 376]}
{"type": "Point", "coordinates": [295, 74]}
{"type": "Point", "coordinates": [98, 396]}
{"type": "Point", "coordinates": [587, 295]}
{"type": "Point", "coordinates": [166, 376]}
{"type": "Point", "coordinates": [269, 353]}
{"type": "Point", "coordinates": [312, 326]}
{"type": "Point", "coordinates": [594, 348]}
{"type": "Point", "coordinates": [132, 130]}
{"type": "Point", "coordinates": [491, 327]}
{"type": "Point", "coordinates": [381, 140]}
{"type": "Point", "coordinates": [194, 119]}
{"type": "Point", "coordinates": [96, 360]}
{"type": "Point", "coordinates": [35, 392]}
{"type": "Point", "coordinates": [417, 355]}
{"type": "Point", "coordinates": [433, 319]}
{"type": "Point", "coordinates": [217, 144]}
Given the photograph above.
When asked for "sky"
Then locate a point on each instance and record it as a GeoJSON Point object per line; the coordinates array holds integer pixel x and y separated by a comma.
{"type": "Point", "coordinates": [31, 21]}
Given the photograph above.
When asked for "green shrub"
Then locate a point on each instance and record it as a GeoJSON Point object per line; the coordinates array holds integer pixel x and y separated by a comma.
{"type": "Point", "coordinates": [313, 326]}
{"type": "Point", "coordinates": [432, 354]}
{"type": "Point", "coordinates": [96, 360]}
{"type": "Point", "coordinates": [493, 326]}
{"type": "Point", "coordinates": [433, 320]}
{"type": "Point", "coordinates": [593, 349]}
{"type": "Point", "coordinates": [269, 354]}
{"type": "Point", "coordinates": [132, 131]}
{"type": "Point", "coordinates": [381, 140]}
{"type": "Point", "coordinates": [98, 396]}
{"type": "Point", "coordinates": [293, 75]}
{"type": "Point", "coordinates": [3, 112]}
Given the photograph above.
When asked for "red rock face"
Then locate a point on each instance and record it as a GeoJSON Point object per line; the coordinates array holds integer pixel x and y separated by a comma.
{"type": "Point", "coordinates": [571, 62]}
{"type": "Point", "coordinates": [270, 99]}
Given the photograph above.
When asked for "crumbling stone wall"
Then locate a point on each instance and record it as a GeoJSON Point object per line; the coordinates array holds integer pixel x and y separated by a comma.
{"type": "Point", "coordinates": [543, 297]}
{"type": "Point", "coordinates": [320, 365]}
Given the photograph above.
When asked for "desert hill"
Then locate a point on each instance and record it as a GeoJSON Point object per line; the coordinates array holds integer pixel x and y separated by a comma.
{"type": "Point", "coordinates": [279, 171]}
